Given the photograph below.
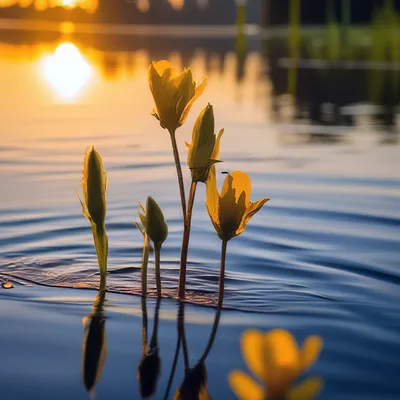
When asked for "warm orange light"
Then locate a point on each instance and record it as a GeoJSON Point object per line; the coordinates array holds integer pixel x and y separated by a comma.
{"type": "Point", "coordinates": [69, 3]}
{"type": "Point", "coordinates": [67, 70]}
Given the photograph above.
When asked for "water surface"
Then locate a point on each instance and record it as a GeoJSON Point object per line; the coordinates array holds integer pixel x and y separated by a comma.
{"type": "Point", "coordinates": [323, 252]}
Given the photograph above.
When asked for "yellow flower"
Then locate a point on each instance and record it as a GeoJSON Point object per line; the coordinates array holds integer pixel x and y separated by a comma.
{"type": "Point", "coordinates": [276, 360]}
{"type": "Point", "coordinates": [231, 210]}
{"type": "Point", "coordinates": [201, 150]}
{"type": "Point", "coordinates": [174, 93]}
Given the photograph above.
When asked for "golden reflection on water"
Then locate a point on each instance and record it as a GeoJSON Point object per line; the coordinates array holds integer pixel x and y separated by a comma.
{"type": "Point", "coordinates": [41, 5]}
{"type": "Point", "coordinates": [66, 70]}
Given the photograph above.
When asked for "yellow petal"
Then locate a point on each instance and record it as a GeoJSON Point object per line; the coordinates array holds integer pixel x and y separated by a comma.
{"type": "Point", "coordinates": [252, 344]}
{"type": "Point", "coordinates": [252, 209]}
{"type": "Point", "coordinates": [232, 206]}
{"type": "Point", "coordinates": [215, 154]}
{"type": "Point", "coordinates": [212, 198]}
{"type": "Point", "coordinates": [185, 90]}
{"type": "Point", "coordinates": [240, 183]}
{"type": "Point", "coordinates": [198, 92]}
{"type": "Point", "coordinates": [310, 351]}
{"type": "Point", "coordinates": [282, 352]}
{"type": "Point", "coordinates": [161, 66]}
{"type": "Point", "coordinates": [159, 94]}
{"type": "Point", "coordinates": [244, 387]}
{"type": "Point", "coordinates": [307, 390]}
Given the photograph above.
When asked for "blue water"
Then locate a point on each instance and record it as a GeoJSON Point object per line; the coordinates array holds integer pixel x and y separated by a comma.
{"type": "Point", "coordinates": [324, 252]}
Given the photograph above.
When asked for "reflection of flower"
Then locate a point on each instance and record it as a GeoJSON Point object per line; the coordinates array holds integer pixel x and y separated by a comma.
{"type": "Point", "coordinates": [231, 210]}
{"type": "Point", "coordinates": [174, 93]}
{"type": "Point", "coordinates": [194, 385]}
{"type": "Point", "coordinates": [274, 357]}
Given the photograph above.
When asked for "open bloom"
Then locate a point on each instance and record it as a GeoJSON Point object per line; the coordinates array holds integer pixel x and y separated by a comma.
{"type": "Point", "coordinates": [174, 93]}
{"type": "Point", "coordinates": [231, 210]}
{"type": "Point", "coordinates": [277, 361]}
{"type": "Point", "coordinates": [201, 150]}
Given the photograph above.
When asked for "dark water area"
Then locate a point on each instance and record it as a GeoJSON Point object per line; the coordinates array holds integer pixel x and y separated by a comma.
{"type": "Point", "coordinates": [60, 356]}
{"type": "Point", "coordinates": [319, 136]}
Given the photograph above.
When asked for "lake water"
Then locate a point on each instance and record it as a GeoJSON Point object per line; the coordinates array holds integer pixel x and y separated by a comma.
{"type": "Point", "coordinates": [322, 257]}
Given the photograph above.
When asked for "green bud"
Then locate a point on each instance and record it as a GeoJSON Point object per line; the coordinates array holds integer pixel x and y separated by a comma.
{"type": "Point", "coordinates": [202, 147]}
{"type": "Point", "coordinates": [94, 184]}
{"type": "Point", "coordinates": [154, 222]}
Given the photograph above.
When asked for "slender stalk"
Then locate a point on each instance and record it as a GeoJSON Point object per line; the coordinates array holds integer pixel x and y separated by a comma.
{"type": "Point", "coordinates": [157, 251]}
{"type": "Point", "coordinates": [181, 333]}
{"type": "Point", "coordinates": [212, 337]}
{"type": "Point", "coordinates": [103, 281]}
{"type": "Point", "coordinates": [179, 172]}
{"type": "Point", "coordinates": [185, 241]}
{"type": "Point", "coordinates": [145, 260]}
{"type": "Point", "coordinates": [222, 274]}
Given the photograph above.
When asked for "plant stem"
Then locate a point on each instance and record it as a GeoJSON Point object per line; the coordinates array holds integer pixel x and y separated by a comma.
{"type": "Point", "coordinates": [103, 281]}
{"type": "Point", "coordinates": [185, 241]}
{"type": "Point", "coordinates": [157, 251]}
{"type": "Point", "coordinates": [145, 260]}
{"type": "Point", "coordinates": [222, 274]}
{"type": "Point", "coordinates": [179, 172]}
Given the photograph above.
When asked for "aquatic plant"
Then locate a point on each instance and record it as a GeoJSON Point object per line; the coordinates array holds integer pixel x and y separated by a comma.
{"type": "Point", "coordinates": [145, 253]}
{"type": "Point", "coordinates": [200, 160]}
{"type": "Point", "coordinates": [230, 211]}
{"type": "Point", "coordinates": [94, 187]}
{"type": "Point", "coordinates": [276, 360]}
{"type": "Point", "coordinates": [155, 228]}
{"type": "Point", "coordinates": [174, 94]}
{"type": "Point", "coordinates": [94, 349]}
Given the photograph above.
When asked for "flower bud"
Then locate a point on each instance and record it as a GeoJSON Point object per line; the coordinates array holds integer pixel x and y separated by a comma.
{"type": "Point", "coordinates": [201, 150]}
{"type": "Point", "coordinates": [154, 222]}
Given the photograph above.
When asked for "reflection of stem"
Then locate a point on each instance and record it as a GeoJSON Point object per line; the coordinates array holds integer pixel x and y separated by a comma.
{"type": "Point", "coordinates": [222, 274]}
{"type": "Point", "coordinates": [181, 333]}
{"type": "Point", "coordinates": [178, 172]}
{"type": "Point", "coordinates": [173, 369]}
{"type": "Point", "coordinates": [145, 260]}
{"type": "Point", "coordinates": [153, 341]}
{"type": "Point", "coordinates": [145, 347]}
{"type": "Point", "coordinates": [212, 337]}
{"type": "Point", "coordinates": [185, 241]}
{"type": "Point", "coordinates": [157, 251]}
